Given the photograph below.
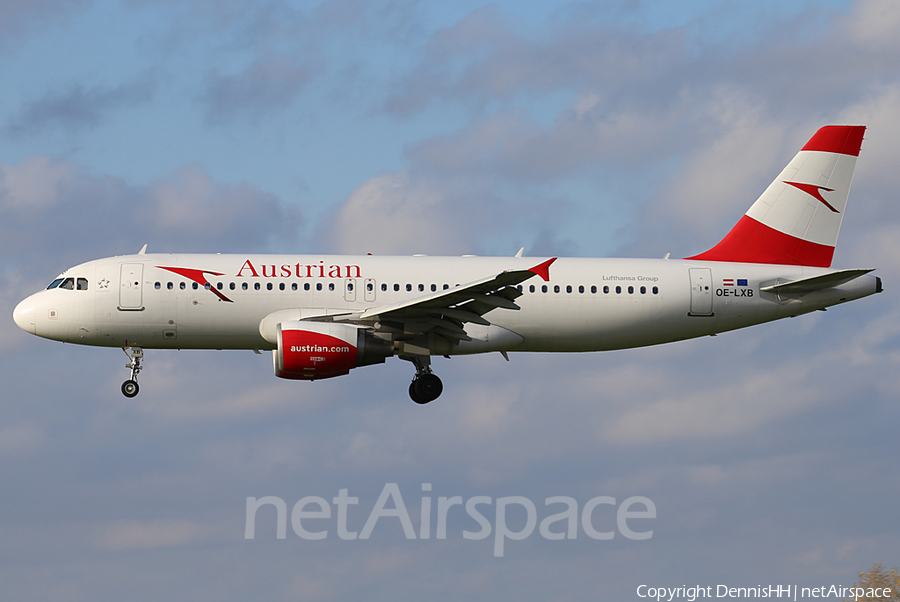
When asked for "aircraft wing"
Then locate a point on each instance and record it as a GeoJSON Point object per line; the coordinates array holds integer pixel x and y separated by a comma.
{"type": "Point", "coordinates": [808, 285]}
{"type": "Point", "coordinates": [445, 312]}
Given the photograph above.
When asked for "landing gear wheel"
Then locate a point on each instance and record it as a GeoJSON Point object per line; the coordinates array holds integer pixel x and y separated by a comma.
{"type": "Point", "coordinates": [130, 388]}
{"type": "Point", "coordinates": [425, 388]}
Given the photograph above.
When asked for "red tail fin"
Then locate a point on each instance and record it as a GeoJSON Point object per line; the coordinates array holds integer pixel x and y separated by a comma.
{"type": "Point", "coordinates": [797, 219]}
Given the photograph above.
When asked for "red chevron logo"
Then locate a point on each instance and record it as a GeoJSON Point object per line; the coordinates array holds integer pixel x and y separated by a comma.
{"type": "Point", "coordinates": [814, 191]}
{"type": "Point", "coordinates": [198, 277]}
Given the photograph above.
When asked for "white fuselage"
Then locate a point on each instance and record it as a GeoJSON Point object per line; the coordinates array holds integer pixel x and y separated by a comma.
{"type": "Point", "coordinates": [587, 304]}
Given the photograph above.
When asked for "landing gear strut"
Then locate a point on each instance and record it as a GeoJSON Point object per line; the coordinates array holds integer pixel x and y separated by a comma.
{"type": "Point", "coordinates": [130, 387]}
{"type": "Point", "coordinates": [426, 386]}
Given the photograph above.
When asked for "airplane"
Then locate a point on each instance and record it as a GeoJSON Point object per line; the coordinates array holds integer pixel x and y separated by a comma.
{"type": "Point", "coordinates": [324, 315]}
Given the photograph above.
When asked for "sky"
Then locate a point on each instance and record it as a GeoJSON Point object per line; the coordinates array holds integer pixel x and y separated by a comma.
{"type": "Point", "coordinates": [612, 128]}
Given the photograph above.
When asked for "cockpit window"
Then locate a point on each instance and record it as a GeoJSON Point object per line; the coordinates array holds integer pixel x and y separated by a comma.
{"type": "Point", "coordinates": [70, 284]}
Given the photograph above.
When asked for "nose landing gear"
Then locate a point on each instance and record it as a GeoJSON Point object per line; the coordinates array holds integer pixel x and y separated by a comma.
{"type": "Point", "coordinates": [130, 387]}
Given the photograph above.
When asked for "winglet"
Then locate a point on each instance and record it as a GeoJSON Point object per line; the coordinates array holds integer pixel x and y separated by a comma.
{"type": "Point", "coordinates": [543, 269]}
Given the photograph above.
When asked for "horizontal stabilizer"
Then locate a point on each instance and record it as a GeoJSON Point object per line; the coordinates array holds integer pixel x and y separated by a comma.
{"type": "Point", "coordinates": [815, 283]}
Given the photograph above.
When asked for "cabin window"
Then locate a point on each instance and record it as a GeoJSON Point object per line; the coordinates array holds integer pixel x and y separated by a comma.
{"type": "Point", "coordinates": [219, 285]}
{"type": "Point", "coordinates": [421, 288]}
{"type": "Point", "coordinates": [655, 290]}
{"type": "Point", "coordinates": [256, 286]}
{"type": "Point", "coordinates": [408, 288]}
{"type": "Point", "coordinates": [318, 286]}
{"type": "Point", "coordinates": [281, 286]}
{"type": "Point", "coordinates": [244, 286]}
{"type": "Point", "coordinates": [618, 290]}
{"type": "Point", "coordinates": [605, 290]}
{"type": "Point", "coordinates": [543, 288]}
{"type": "Point", "coordinates": [195, 286]}
{"type": "Point", "coordinates": [531, 288]}
{"type": "Point", "coordinates": [580, 288]}
{"type": "Point", "coordinates": [207, 286]}
{"type": "Point", "coordinates": [268, 286]}
{"type": "Point", "coordinates": [594, 289]}
{"type": "Point", "coordinates": [231, 285]}
{"type": "Point", "coordinates": [643, 290]}
{"type": "Point", "coordinates": [157, 285]}
{"type": "Point", "coordinates": [630, 290]}
{"type": "Point", "coordinates": [568, 288]}
{"type": "Point", "coordinates": [331, 286]}
{"type": "Point", "coordinates": [446, 286]}
{"type": "Point", "coordinates": [294, 286]}
{"type": "Point", "coordinates": [555, 288]}
{"type": "Point", "coordinates": [306, 286]}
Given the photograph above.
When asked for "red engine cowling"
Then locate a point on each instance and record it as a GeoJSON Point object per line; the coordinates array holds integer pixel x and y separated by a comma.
{"type": "Point", "coordinates": [314, 350]}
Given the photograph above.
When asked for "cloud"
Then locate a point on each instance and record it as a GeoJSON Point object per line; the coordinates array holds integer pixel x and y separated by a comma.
{"type": "Point", "coordinates": [78, 107]}
{"type": "Point", "coordinates": [263, 87]}
{"type": "Point", "coordinates": [689, 129]}
{"type": "Point", "coordinates": [189, 209]}
{"type": "Point", "coordinates": [873, 24]}
{"type": "Point", "coordinates": [78, 211]}
{"type": "Point", "coordinates": [19, 17]}
{"type": "Point", "coordinates": [390, 214]}
{"type": "Point", "coordinates": [22, 439]}
{"type": "Point", "coordinates": [55, 214]}
{"type": "Point", "coordinates": [33, 184]}
{"type": "Point", "coordinates": [481, 59]}
{"type": "Point", "coordinates": [717, 411]}
{"type": "Point", "coordinates": [123, 536]}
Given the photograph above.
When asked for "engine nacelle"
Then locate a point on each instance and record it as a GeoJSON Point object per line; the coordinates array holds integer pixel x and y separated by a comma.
{"type": "Point", "coordinates": [314, 350]}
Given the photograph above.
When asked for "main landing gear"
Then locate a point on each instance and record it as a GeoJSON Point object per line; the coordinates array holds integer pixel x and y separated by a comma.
{"type": "Point", "coordinates": [426, 386]}
{"type": "Point", "coordinates": [130, 387]}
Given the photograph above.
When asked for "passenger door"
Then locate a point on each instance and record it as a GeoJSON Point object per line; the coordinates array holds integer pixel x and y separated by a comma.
{"type": "Point", "coordinates": [130, 280]}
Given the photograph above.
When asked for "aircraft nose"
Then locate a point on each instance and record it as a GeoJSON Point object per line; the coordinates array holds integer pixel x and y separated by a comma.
{"type": "Point", "coordinates": [23, 315]}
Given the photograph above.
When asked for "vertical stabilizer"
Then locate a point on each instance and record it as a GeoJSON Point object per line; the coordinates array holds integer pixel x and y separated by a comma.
{"type": "Point", "coordinates": [797, 219]}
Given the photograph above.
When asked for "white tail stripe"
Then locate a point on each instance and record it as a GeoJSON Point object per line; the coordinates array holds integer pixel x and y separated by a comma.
{"type": "Point", "coordinates": [785, 205]}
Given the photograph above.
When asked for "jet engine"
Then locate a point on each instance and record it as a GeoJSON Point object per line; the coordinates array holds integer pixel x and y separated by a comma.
{"type": "Point", "coordinates": [314, 350]}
